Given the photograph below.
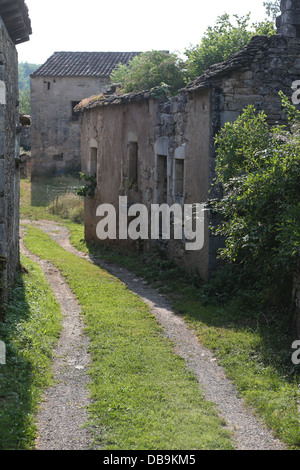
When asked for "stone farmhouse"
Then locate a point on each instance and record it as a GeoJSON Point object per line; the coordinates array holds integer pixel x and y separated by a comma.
{"type": "Point", "coordinates": [15, 28]}
{"type": "Point", "coordinates": [56, 87]}
{"type": "Point", "coordinates": [155, 150]}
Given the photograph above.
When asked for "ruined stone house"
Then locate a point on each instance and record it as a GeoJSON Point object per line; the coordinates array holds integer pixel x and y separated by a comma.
{"type": "Point", "coordinates": [156, 150]}
{"type": "Point", "coordinates": [15, 28]}
{"type": "Point", "coordinates": [56, 87]}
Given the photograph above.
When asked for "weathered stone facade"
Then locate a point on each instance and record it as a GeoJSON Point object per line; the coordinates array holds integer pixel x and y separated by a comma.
{"type": "Point", "coordinates": [174, 138]}
{"type": "Point", "coordinates": [56, 87]}
{"type": "Point", "coordinates": [14, 27]}
{"type": "Point", "coordinates": [288, 23]}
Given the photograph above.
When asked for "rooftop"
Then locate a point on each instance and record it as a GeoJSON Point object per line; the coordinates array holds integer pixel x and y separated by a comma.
{"type": "Point", "coordinates": [258, 48]}
{"type": "Point", "coordinates": [16, 19]}
{"type": "Point", "coordinates": [77, 64]}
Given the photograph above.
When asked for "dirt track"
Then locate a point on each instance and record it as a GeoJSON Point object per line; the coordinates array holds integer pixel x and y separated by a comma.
{"type": "Point", "coordinates": [63, 412]}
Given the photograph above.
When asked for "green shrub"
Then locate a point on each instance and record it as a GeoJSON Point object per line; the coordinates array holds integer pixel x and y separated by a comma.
{"type": "Point", "coordinates": [149, 70]}
{"type": "Point", "coordinates": [259, 169]}
{"type": "Point", "coordinates": [68, 206]}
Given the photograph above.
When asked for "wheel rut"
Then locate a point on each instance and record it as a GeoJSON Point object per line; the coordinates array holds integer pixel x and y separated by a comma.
{"type": "Point", "coordinates": [248, 431]}
{"type": "Point", "coordinates": [63, 412]}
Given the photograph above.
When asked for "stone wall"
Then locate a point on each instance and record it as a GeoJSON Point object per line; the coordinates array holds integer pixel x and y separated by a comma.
{"type": "Point", "coordinates": [55, 130]}
{"type": "Point", "coordinates": [183, 129]}
{"type": "Point", "coordinates": [176, 139]}
{"type": "Point", "coordinates": [173, 142]}
{"type": "Point", "coordinates": [255, 75]}
{"type": "Point", "coordinates": [9, 171]}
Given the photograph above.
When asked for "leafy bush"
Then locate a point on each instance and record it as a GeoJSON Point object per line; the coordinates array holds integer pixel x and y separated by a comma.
{"type": "Point", "coordinates": [90, 187]}
{"type": "Point", "coordinates": [68, 206]}
{"type": "Point", "coordinates": [259, 169]}
{"type": "Point", "coordinates": [222, 41]}
{"type": "Point", "coordinates": [148, 70]}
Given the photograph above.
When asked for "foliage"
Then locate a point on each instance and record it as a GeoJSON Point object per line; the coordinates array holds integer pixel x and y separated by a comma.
{"type": "Point", "coordinates": [89, 188]}
{"type": "Point", "coordinates": [24, 99]}
{"type": "Point", "coordinates": [148, 70]}
{"type": "Point", "coordinates": [253, 346]}
{"type": "Point", "coordinates": [68, 206]}
{"type": "Point", "coordinates": [259, 169]}
{"type": "Point", "coordinates": [223, 40]}
{"type": "Point", "coordinates": [42, 198]}
{"type": "Point", "coordinates": [272, 8]}
{"type": "Point", "coordinates": [25, 70]}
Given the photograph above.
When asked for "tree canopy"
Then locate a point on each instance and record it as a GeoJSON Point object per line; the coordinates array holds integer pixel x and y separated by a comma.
{"type": "Point", "coordinates": [148, 70]}
{"type": "Point", "coordinates": [24, 70]}
{"type": "Point", "coordinates": [219, 42]}
{"type": "Point", "coordinates": [222, 40]}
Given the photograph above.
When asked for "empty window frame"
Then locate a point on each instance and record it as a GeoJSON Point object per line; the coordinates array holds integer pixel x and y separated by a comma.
{"type": "Point", "coordinates": [161, 179]}
{"type": "Point", "coordinates": [133, 165]}
{"type": "Point", "coordinates": [178, 178]}
{"type": "Point", "coordinates": [93, 161]}
{"type": "Point", "coordinates": [75, 116]}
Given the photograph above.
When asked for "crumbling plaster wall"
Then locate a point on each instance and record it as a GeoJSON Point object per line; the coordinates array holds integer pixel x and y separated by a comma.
{"type": "Point", "coordinates": [9, 171]}
{"type": "Point", "coordinates": [55, 131]}
{"type": "Point", "coordinates": [110, 129]}
{"type": "Point", "coordinates": [183, 128]}
{"type": "Point", "coordinates": [177, 130]}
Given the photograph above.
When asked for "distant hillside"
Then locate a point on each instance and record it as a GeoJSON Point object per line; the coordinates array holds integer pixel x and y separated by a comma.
{"type": "Point", "coordinates": [25, 69]}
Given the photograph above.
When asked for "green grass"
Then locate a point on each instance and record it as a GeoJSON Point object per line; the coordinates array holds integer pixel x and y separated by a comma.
{"type": "Point", "coordinates": [30, 332]}
{"type": "Point", "coordinates": [253, 345]}
{"type": "Point", "coordinates": [143, 395]}
{"type": "Point", "coordinates": [51, 199]}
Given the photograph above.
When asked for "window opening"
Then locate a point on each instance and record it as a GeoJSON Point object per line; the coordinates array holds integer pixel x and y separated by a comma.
{"type": "Point", "coordinates": [133, 165]}
{"type": "Point", "coordinates": [75, 116]}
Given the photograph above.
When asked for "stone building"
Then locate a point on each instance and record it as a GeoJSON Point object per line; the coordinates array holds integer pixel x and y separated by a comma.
{"type": "Point", "coordinates": [154, 150]}
{"type": "Point", "coordinates": [15, 28]}
{"type": "Point", "coordinates": [56, 87]}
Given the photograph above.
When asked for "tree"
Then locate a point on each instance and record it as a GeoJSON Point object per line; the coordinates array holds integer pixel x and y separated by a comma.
{"type": "Point", "coordinates": [259, 170]}
{"type": "Point", "coordinates": [222, 41]}
{"type": "Point", "coordinates": [24, 98]}
{"type": "Point", "coordinates": [24, 71]}
{"type": "Point", "coordinates": [148, 70]}
{"type": "Point", "coordinates": [272, 8]}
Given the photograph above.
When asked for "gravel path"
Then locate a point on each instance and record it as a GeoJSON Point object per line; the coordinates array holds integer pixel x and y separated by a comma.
{"type": "Point", "coordinates": [249, 432]}
{"type": "Point", "coordinates": [64, 407]}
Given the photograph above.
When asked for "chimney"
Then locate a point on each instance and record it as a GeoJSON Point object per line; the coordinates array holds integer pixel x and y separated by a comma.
{"type": "Point", "coordinates": [288, 23]}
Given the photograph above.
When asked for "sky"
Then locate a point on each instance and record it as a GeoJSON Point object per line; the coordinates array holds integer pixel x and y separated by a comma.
{"type": "Point", "coordinates": [131, 25]}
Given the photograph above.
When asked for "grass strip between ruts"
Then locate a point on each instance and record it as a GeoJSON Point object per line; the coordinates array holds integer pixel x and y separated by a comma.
{"type": "Point", "coordinates": [30, 332]}
{"type": "Point", "coordinates": [253, 346]}
{"type": "Point", "coordinates": [143, 396]}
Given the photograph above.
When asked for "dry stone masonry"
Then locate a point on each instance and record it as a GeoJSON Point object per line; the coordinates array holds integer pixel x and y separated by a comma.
{"type": "Point", "coordinates": [288, 23]}
{"type": "Point", "coordinates": [14, 29]}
